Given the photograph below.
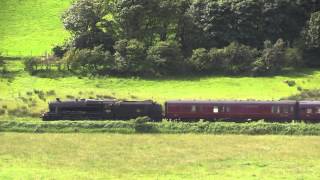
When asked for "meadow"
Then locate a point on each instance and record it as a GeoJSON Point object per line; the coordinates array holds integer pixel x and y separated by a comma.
{"type": "Point", "coordinates": [31, 27]}
{"type": "Point", "coordinates": [23, 94]}
{"type": "Point", "coordinates": [120, 150]}
{"type": "Point", "coordinates": [114, 156]}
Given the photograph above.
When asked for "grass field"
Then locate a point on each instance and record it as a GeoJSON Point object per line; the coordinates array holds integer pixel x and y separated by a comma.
{"type": "Point", "coordinates": [31, 27]}
{"type": "Point", "coordinates": [22, 91]}
{"type": "Point", "coordinates": [112, 156]}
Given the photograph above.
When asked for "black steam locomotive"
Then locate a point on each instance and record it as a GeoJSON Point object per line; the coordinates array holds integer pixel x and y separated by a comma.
{"type": "Point", "coordinates": [276, 111]}
{"type": "Point", "coordinates": [86, 109]}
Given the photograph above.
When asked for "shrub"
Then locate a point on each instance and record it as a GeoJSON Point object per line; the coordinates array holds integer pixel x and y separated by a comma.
{"type": "Point", "coordinates": [239, 58]}
{"type": "Point", "coordinates": [40, 94]}
{"type": "Point", "coordinates": [233, 59]}
{"type": "Point", "coordinates": [273, 58]}
{"type": "Point", "coordinates": [166, 57]}
{"type": "Point", "coordinates": [141, 125]}
{"type": "Point", "coordinates": [291, 83]}
{"type": "Point", "coordinates": [306, 94]}
{"type": "Point", "coordinates": [293, 57]}
{"type": "Point", "coordinates": [130, 57]}
{"type": "Point", "coordinates": [89, 61]}
{"type": "Point", "coordinates": [31, 64]}
{"type": "Point", "coordinates": [51, 93]}
{"type": "Point", "coordinates": [200, 60]}
{"type": "Point", "coordinates": [2, 112]}
{"type": "Point", "coordinates": [59, 51]}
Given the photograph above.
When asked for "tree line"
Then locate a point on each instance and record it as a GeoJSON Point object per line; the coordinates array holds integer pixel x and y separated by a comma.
{"type": "Point", "coordinates": [167, 37]}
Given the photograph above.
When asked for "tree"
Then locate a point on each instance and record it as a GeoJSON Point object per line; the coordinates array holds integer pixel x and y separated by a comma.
{"type": "Point", "coordinates": [200, 60]}
{"type": "Point", "coordinates": [130, 57]}
{"type": "Point", "coordinates": [89, 61]}
{"type": "Point", "coordinates": [86, 21]}
{"type": "Point", "coordinates": [273, 58]}
{"type": "Point", "coordinates": [83, 16]}
{"type": "Point", "coordinates": [312, 40]}
{"type": "Point", "coordinates": [313, 31]}
{"type": "Point", "coordinates": [166, 57]}
{"type": "Point", "coordinates": [238, 58]}
{"type": "Point", "coordinates": [249, 22]}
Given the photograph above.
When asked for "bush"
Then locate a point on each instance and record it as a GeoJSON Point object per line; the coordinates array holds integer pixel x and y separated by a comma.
{"type": "Point", "coordinates": [200, 60]}
{"type": "Point", "coordinates": [130, 57]}
{"type": "Point", "coordinates": [306, 94]}
{"type": "Point", "coordinates": [31, 64]}
{"type": "Point", "coordinates": [291, 83]}
{"type": "Point", "coordinates": [141, 125]}
{"type": "Point", "coordinates": [59, 51]}
{"type": "Point", "coordinates": [273, 58]}
{"type": "Point", "coordinates": [166, 57]}
{"type": "Point", "coordinates": [233, 59]}
{"type": "Point", "coordinates": [238, 58]}
{"type": "Point", "coordinates": [293, 57]}
{"type": "Point", "coordinates": [89, 61]}
{"type": "Point", "coordinates": [2, 112]}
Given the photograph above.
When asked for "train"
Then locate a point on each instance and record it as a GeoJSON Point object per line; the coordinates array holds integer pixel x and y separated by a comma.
{"type": "Point", "coordinates": [184, 110]}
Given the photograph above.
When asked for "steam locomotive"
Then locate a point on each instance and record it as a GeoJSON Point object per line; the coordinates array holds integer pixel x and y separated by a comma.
{"type": "Point", "coordinates": [276, 111]}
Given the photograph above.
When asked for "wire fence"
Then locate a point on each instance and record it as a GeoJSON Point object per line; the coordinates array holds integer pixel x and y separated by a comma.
{"type": "Point", "coordinates": [31, 53]}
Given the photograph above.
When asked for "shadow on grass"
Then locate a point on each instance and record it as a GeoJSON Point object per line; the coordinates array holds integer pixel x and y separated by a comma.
{"type": "Point", "coordinates": [185, 76]}
{"type": "Point", "coordinates": [289, 73]}
{"type": "Point", "coordinates": [52, 74]}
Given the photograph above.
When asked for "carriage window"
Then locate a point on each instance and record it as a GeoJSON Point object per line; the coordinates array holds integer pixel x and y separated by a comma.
{"type": "Point", "coordinates": [291, 109]}
{"type": "Point", "coordinates": [215, 109]}
{"type": "Point", "coordinates": [227, 109]}
{"type": "Point", "coordinates": [193, 108]}
{"type": "Point", "coordinates": [309, 111]}
{"type": "Point", "coordinates": [275, 109]}
{"type": "Point", "coordinates": [285, 110]}
{"type": "Point", "coordinates": [318, 110]}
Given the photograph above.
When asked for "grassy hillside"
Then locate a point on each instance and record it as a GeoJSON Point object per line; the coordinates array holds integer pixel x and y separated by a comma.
{"type": "Point", "coordinates": [22, 93]}
{"type": "Point", "coordinates": [31, 26]}
{"type": "Point", "coordinates": [112, 156]}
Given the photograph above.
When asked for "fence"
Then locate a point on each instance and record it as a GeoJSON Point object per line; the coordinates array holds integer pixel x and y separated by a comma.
{"type": "Point", "coordinates": [31, 53]}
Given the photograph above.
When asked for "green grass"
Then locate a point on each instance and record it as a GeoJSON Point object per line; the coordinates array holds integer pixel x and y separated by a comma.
{"type": "Point", "coordinates": [131, 127]}
{"type": "Point", "coordinates": [114, 156]}
{"type": "Point", "coordinates": [31, 27]}
{"type": "Point", "coordinates": [20, 90]}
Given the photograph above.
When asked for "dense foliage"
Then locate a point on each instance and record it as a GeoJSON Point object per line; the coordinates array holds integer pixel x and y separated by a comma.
{"type": "Point", "coordinates": [161, 37]}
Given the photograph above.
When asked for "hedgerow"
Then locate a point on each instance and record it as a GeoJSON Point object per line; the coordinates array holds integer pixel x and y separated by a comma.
{"type": "Point", "coordinates": [139, 125]}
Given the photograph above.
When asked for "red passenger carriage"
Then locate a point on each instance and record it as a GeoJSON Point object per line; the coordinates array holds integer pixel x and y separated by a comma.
{"type": "Point", "coordinates": [233, 110]}
{"type": "Point", "coordinates": [309, 110]}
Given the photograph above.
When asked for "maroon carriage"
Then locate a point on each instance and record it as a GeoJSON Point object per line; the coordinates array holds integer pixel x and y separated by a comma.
{"type": "Point", "coordinates": [309, 110]}
{"type": "Point", "coordinates": [233, 110]}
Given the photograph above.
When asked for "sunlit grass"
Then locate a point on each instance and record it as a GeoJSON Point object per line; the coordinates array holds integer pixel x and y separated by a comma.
{"type": "Point", "coordinates": [19, 90]}
{"type": "Point", "coordinates": [93, 156]}
{"type": "Point", "coordinates": [31, 27]}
